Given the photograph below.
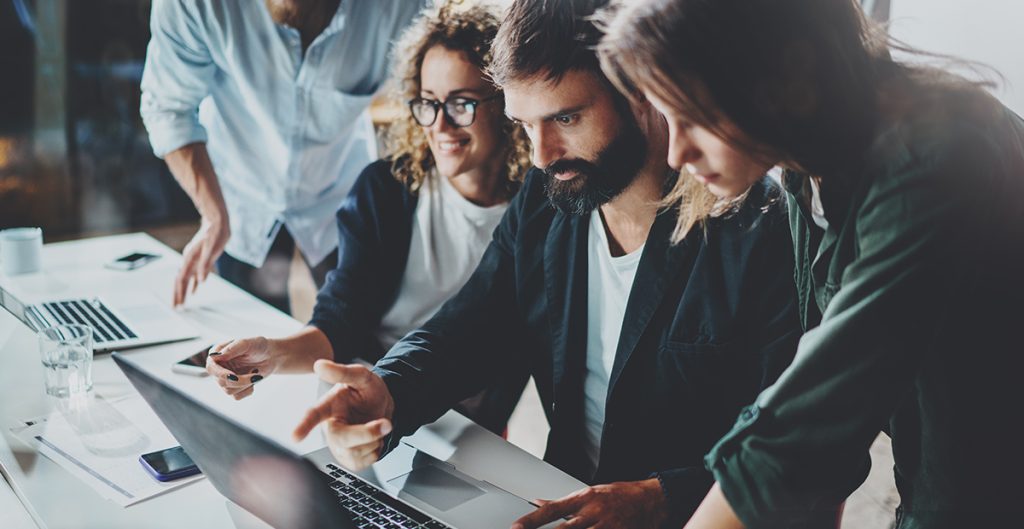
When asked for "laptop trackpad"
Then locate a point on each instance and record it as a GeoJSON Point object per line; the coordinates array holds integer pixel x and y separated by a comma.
{"type": "Point", "coordinates": [437, 488]}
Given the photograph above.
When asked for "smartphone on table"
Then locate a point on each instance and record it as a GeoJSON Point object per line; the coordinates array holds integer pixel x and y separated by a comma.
{"type": "Point", "coordinates": [193, 365]}
{"type": "Point", "coordinates": [132, 261]}
{"type": "Point", "coordinates": [169, 464]}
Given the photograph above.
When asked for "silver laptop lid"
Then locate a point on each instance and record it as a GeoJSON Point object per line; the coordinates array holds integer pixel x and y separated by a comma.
{"type": "Point", "coordinates": [20, 310]}
{"type": "Point", "coordinates": [279, 486]}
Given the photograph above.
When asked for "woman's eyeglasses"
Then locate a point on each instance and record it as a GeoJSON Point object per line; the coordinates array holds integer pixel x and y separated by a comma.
{"type": "Point", "coordinates": [458, 111]}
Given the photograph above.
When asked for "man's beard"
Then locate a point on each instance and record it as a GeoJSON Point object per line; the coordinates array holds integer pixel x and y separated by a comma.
{"type": "Point", "coordinates": [597, 182]}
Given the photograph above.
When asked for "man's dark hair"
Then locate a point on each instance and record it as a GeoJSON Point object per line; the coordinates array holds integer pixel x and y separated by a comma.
{"type": "Point", "coordinates": [546, 39]}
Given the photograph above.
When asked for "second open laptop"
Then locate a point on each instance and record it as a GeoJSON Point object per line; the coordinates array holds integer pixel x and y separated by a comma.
{"type": "Point", "coordinates": [287, 490]}
{"type": "Point", "coordinates": [134, 321]}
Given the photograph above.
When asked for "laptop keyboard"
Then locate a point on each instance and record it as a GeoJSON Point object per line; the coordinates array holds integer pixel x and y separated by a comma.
{"type": "Point", "coordinates": [106, 326]}
{"type": "Point", "coordinates": [372, 508]}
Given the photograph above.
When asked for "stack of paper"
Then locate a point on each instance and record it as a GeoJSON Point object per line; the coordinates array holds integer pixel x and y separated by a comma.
{"type": "Point", "coordinates": [99, 441]}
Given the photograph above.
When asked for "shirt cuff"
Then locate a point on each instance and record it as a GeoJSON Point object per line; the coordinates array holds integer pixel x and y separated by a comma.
{"type": "Point", "coordinates": [731, 469]}
{"type": "Point", "coordinates": [334, 337]}
{"type": "Point", "coordinates": [684, 489]}
{"type": "Point", "coordinates": [401, 425]}
{"type": "Point", "coordinates": [775, 485]}
{"type": "Point", "coordinates": [169, 132]}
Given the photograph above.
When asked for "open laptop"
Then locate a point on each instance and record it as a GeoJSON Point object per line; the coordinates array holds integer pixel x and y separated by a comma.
{"type": "Point", "coordinates": [135, 321]}
{"type": "Point", "coordinates": [287, 490]}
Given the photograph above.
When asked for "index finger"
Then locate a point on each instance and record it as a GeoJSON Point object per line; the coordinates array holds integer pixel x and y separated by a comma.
{"type": "Point", "coordinates": [203, 265]}
{"type": "Point", "coordinates": [350, 435]}
{"type": "Point", "coordinates": [215, 369]}
{"type": "Point", "coordinates": [180, 282]}
{"type": "Point", "coordinates": [314, 416]}
{"type": "Point", "coordinates": [548, 513]}
{"type": "Point", "coordinates": [185, 274]}
{"type": "Point", "coordinates": [232, 349]}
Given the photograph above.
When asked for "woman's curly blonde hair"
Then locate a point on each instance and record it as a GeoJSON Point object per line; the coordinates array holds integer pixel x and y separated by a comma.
{"type": "Point", "coordinates": [456, 27]}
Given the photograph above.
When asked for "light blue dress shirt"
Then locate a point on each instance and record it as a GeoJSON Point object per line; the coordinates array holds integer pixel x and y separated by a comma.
{"type": "Point", "coordinates": [287, 134]}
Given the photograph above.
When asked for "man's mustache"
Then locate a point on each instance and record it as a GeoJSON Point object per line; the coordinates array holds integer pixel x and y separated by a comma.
{"type": "Point", "coordinates": [576, 165]}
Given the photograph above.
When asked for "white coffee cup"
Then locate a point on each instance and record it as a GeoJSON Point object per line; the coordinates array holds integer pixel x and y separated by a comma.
{"type": "Point", "coordinates": [21, 250]}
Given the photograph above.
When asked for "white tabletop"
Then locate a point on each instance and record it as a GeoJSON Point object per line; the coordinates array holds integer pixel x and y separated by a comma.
{"type": "Point", "coordinates": [56, 499]}
{"type": "Point", "coordinates": [15, 515]}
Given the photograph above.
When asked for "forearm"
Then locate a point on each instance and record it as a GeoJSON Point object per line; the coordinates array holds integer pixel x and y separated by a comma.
{"type": "Point", "coordinates": [194, 172]}
{"type": "Point", "coordinates": [714, 513]}
{"type": "Point", "coordinates": [297, 353]}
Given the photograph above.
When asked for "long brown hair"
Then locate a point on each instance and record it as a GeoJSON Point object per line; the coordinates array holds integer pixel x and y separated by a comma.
{"type": "Point", "coordinates": [469, 29]}
{"type": "Point", "coordinates": [791, 81]}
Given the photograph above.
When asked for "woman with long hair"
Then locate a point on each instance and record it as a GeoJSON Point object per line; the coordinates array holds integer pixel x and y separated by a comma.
{"type": "Point", "coordinates": [906, 197]}
{"type": "Point", "coordinates": [416, 223]}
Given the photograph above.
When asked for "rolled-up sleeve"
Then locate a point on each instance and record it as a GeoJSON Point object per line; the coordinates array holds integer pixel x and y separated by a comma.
{"type": "Point", "coordinates": [802, 448]}
{"type": "Point", "coordinates": [176, 78]}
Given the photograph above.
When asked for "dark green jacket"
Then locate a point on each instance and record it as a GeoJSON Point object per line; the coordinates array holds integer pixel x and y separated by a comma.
{"type": "Point", "coordinates": [914, 303]}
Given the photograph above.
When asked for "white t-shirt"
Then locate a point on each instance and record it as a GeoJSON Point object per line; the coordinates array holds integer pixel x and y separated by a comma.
{"type": "Point", "coordinates": [609, 281]}
{"type": "Point", "coordinates": [817, 210]}
{"type": "Point", "coordinates": [449, 236]}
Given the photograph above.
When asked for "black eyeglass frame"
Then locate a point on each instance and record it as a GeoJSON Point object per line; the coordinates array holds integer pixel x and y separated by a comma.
{"type": "Point", "coordinates": [442, 106]}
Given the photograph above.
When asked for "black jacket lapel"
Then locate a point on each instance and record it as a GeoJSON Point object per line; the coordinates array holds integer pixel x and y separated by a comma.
{"type": "Point", "coordinates": [565, 281]}
{"type": "Point", "coordinates": [660, 264]}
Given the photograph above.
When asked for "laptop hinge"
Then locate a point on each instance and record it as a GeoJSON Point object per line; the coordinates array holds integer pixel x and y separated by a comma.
{"type": "Point", "coordinates": [36, 319]}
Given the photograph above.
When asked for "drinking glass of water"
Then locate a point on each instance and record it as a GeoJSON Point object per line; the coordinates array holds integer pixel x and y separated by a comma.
{"type": "Point", "coordinates": [66, 352]}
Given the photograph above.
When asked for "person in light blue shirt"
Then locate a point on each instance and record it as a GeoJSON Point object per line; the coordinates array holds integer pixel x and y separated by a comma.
{"type": "Point", "coordinates": [259, 110]}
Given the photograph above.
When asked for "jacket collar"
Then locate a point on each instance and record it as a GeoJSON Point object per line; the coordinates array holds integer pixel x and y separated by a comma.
{"type": "Point", "coordinates": [834, 200]}
{"type": "Point", "coordinates": [660, 264]}
{"type": "Point", "coordinates": [565, 273]}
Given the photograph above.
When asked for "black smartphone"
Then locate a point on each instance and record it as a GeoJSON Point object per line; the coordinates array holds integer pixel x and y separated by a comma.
{"type": "Point", "coordinates": [132, 261]}
{"type": "Point", "coordinates": [169, 464]}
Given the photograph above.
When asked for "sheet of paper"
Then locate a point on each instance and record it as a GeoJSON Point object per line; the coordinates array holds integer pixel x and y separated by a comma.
{"type": "Point", "coordinates": [99, 441]}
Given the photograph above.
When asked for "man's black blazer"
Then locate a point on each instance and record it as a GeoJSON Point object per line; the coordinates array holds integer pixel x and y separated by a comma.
{"type": "Point", "coordinates": [709, 323]}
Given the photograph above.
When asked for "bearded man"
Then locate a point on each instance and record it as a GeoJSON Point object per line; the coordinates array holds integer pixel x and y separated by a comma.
{"type": "Point", "coordinates": [643, 351]}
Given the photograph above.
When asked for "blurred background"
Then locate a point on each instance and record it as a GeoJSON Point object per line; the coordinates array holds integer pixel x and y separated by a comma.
{"type": "Point", "coordinates": [75, 159]}
{"type": "Point", "coordinates": [74, 156]}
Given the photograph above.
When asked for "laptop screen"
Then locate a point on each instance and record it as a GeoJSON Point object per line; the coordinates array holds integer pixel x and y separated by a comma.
{"type": "Point", "coordinates": [265, 478]}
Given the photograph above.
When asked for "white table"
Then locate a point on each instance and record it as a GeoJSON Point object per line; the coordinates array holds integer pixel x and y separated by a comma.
{"type": "Point", "coordinates": [55, 499]}
{"type": "Point", "coordinates": [14, 513]}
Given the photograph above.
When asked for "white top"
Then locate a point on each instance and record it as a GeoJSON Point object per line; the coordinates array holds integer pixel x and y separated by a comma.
{"type": "Point", "coordinates": [287, 133]}
{"type": "Point", "coordinates": [609, 281]}
{"type": "Point", "coordinates": [817, 210]}
{"type": "Point", "coordinates": [449, 236]}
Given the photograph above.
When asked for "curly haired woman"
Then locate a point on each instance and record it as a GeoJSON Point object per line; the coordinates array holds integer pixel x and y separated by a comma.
{"type": "Point", "coordinates": [417, 222]}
